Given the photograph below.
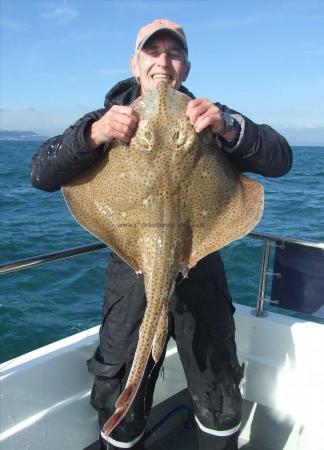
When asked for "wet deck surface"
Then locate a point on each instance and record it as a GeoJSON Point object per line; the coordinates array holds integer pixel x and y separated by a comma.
{"type": "Point", "coordinates": [179, 439]}
{"type": "Point", "coordinates": [175, 431]}
{"type": "Point", "coordinates": [184, 439]}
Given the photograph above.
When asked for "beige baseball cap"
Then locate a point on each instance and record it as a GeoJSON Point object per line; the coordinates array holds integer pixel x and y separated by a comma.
{"type": "Point", "coordinates": [160, 25]}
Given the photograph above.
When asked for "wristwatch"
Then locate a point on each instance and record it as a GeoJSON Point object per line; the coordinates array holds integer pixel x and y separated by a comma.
{"type": "Point", "coordinates": [229, 123]}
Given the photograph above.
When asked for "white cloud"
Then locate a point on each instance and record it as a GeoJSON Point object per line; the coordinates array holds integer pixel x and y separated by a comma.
{"type": "Point", "coordinates": [60, 15]}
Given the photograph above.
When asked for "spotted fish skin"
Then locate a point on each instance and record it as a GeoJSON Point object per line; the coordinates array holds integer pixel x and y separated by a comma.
{"type": "Point", "coordinates": [162, 202]}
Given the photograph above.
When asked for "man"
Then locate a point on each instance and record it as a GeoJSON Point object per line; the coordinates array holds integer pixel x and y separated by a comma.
{"type": "Point", "coordinates": [200, 311]}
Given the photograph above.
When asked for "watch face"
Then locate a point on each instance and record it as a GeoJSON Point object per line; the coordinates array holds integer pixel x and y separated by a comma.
{"type": "Point", "coordinates": [228, 122]}
{"type": "Point", "coordinates": [228, 119]}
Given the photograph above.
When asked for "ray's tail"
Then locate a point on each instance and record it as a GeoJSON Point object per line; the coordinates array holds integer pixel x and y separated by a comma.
{"type": "Point", "coordinates": [158, 286]}
{"type": "Point", "coordinates": [124, 401]}
{"type": "Point", "coordinates": [160, 333]}
{"type": "Point", "coordinates": [160, 268]}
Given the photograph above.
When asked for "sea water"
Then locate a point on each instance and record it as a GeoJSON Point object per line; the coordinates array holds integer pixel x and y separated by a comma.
{"type": "Point", "coordinates": [42, 304]}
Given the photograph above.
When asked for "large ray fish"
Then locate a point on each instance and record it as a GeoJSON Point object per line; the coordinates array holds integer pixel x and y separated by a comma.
{"type": "Point", "coordinates": [162, 202]}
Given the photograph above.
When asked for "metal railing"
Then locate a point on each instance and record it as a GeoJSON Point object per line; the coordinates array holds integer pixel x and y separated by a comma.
{"type": "Point", "coordinates": [268, 241]}
{"type": "Point", "coordinates": [22, 264]}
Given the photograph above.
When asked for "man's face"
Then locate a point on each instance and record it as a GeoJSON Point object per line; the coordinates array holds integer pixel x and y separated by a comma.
{"type": "Point", "coordinates": [162, 59]}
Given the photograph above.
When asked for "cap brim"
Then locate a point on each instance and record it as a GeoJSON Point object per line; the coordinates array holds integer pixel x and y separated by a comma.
{"type": "Point", "coordinates": [168, 30]}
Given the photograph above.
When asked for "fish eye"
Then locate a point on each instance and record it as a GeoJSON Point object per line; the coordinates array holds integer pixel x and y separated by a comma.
{"type": "Point", "coordinates": [146, 140]}
{"type": "Point", "coordinates": [179, 137]}
{"type": "Point", "coordinates": [176, 135]}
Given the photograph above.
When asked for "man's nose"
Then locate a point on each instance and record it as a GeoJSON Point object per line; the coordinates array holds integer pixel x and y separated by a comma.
{"type": "Point", "coordinates": [163, 59]}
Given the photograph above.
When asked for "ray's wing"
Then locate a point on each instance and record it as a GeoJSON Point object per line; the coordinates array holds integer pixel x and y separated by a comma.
{"type": "Point", "coordinates": [107, 200]}
{"type": "Point", "coordinates": [222, 205]}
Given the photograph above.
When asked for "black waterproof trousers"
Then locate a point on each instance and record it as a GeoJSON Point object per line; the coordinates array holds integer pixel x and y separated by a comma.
{"type": "Point", "coordinates": [206, 347]}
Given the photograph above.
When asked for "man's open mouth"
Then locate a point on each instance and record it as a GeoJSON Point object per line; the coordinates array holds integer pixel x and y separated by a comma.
{"type": "Point", "coordinates": [162, 76]}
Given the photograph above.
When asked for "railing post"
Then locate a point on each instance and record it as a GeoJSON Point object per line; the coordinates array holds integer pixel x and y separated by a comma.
{"type": "Point", "coordinates": [263, 278]}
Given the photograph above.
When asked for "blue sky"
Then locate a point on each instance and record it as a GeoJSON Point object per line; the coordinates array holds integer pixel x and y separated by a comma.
{"type": "Point", "coordinates": [263, 58]}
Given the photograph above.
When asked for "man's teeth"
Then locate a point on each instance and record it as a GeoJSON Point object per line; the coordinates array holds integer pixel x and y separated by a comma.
{"type": "Point", "coordinates": [161, 75]}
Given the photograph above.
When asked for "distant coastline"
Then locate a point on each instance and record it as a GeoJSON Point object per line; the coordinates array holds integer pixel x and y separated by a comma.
{"type": "Point", "coordinates": [21, 135]}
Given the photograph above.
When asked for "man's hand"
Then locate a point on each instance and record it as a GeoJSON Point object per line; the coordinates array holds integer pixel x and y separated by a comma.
{"type": "Point", "coordinates": [203, 114]}
{"type": "Point", "coordinates": [120, 122]}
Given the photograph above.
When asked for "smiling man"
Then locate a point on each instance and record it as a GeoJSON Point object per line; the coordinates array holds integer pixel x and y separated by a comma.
{"type": "Point", "coordinates": [161, 54]}
{"type": "Point", "coordinates": [200, 309]}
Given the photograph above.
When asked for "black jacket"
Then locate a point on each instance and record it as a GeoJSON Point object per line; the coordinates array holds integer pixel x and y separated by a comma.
{"type": "Point", "coordinates": [259, 149]}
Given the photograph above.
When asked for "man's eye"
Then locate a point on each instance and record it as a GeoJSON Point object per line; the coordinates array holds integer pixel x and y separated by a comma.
{"type": "Point", "coordinates": [155, 53]}
{"type": "Point", "coordinates": [174, 54]}
{"type": "Point", "coordinates": [152, 52]}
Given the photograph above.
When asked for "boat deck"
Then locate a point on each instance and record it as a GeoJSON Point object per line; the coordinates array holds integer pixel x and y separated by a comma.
{"type": "Point", "coordinates": [179, 439]}
{"type": "Point", "coordinates": [176, 432]}
{"type": "Point", "coordinates": [185, 439]}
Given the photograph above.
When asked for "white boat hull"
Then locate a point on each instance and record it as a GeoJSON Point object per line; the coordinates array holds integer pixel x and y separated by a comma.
{"type": "Point", "coordinates": [45, 393]}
